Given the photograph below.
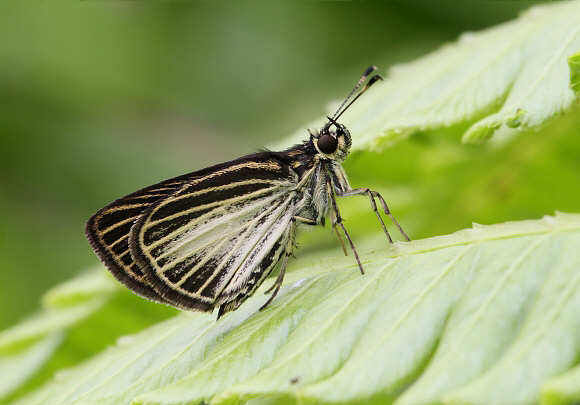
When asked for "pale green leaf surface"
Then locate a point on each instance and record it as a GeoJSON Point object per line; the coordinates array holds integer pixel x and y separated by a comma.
{"type": "Point", "coordinates": [26, 347]}
{"type": "Point", "coordinates": [39, 326]}
{"type": "Point", "coordinates": [562, 389]}
{"type": "Point", "coordinates": [78, 319]}
{"type": "Point", "coordinates": [540, 328]}
{"type": "Point", "coordinates": [94, 283]}
{"type": "Point", "coordinates": [434, 320]}
{"type": "Point", "coordinates": [516, 74]}
{"type": "Point", "coordinates": [546, 345]}
{"type": "Point", "coordinates": [63, 306]}
{"type": "Point", "coordinates": [17, 368]}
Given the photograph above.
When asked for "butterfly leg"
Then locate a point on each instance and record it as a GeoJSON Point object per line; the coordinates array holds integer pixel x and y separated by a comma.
{"type": "Point", "coordinates": [337, 220]}
{"type": "Point", "coordinates": [372, 195]}
{"type": "Point", "coordinates": [340, 240]}
{"type": "Point", "coordinates": [278, 282]}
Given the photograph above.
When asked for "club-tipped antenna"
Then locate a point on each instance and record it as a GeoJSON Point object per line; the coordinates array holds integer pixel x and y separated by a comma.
{"type": "Point", "coordinates": [372, 81]}
{"type": "Point", "coordinates": [366, 74]}
{"type": "Point", "coordinates": [340, 109]}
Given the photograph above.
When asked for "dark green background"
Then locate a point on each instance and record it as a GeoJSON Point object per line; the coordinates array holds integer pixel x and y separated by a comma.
{"type": "Point", "coordinates": [100, 99]}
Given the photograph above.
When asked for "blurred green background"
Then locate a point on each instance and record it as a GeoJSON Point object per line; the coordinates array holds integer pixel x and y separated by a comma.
{"type": "Point", "coordinates": [100, 99]}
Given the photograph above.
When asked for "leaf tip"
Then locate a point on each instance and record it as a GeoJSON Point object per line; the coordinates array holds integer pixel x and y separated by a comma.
{"type": "Point", "coordinates": [479, 133]}
{"type": "Point", "coordinates": [485, 128]}
{"type": "Point", "coordinates": [515, 120]}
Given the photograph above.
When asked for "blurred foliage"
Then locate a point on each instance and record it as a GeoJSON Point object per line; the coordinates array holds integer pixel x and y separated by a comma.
{"type": "Point", "coordinates": [100, 99]}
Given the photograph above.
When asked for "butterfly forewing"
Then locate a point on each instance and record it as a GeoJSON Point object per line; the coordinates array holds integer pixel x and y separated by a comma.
{"type": "Point", "coordinates": [108, 233]}
{"type": "Point", "coordinates": [214, 233]}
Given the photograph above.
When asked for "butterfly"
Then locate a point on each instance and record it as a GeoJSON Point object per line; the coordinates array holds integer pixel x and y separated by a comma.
{"type": "Point", "coordinates": [210, 238]}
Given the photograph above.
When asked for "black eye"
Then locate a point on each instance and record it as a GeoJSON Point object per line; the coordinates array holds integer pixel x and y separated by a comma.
{"type": "Point", "coordinates": [327, 144]}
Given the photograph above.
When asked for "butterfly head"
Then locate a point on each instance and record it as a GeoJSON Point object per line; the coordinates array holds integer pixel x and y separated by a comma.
{"type": "Point", "coordinates": [333, 141]}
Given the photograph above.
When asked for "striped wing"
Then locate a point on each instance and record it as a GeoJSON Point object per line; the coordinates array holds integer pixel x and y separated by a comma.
{"type": "Point", "coordinates": [108, 233]}
{"type": "Point", "coordinates": [215, 240]}
{"type": "Point", "coordinates": [108, 230]}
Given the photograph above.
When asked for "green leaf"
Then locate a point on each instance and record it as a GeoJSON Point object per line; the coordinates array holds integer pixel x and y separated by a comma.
{"type": "Point", "coordinates": [79, 318]}
{"type": "Point", "coordinates": [20, 365]}
{"type": "Point", "coordinates": [516, 74]}
{"type": "Point", "coordinates": [26, 347]}
{"type": "Point", "coordinates": [563, 389]}
{"type": "Point", "coordinates": [482, 316]}
{"type": "Point", "coordinates": [64, 305]}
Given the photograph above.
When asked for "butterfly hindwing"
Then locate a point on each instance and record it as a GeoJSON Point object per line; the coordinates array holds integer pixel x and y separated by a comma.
{"type": "Point", "coordinates": [241, 288]}
{"type": "Point", "coordinates": [219, 235]}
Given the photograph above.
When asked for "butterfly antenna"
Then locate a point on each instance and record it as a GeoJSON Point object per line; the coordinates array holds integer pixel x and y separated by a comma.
{"type": "Point", "coordinates": [340, 109]}
{"type": "Point", "coordinates": [367, 72]}
{"type": "Point", "coordinates": [372, 81]}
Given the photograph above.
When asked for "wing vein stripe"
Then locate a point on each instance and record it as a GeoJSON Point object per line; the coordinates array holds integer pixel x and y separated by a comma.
{"type": "Point", "coordinates": [250, 226]}
{"type": "Point", "coordinates": [215, 205]}
{"type": "Point", "coordinates": [191, 224]}
{"type": "Point", "coordinates": [288, 200]}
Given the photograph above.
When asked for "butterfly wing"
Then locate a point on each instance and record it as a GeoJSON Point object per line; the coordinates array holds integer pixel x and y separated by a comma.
{"type": "Point", "coordinates": [218, 237]}
{"type": "Point", "coordinates": [108, 233]}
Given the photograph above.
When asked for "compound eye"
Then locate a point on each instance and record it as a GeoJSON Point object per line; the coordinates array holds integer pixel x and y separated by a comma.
{"type": "Point", "coordinates": [327, 144]}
